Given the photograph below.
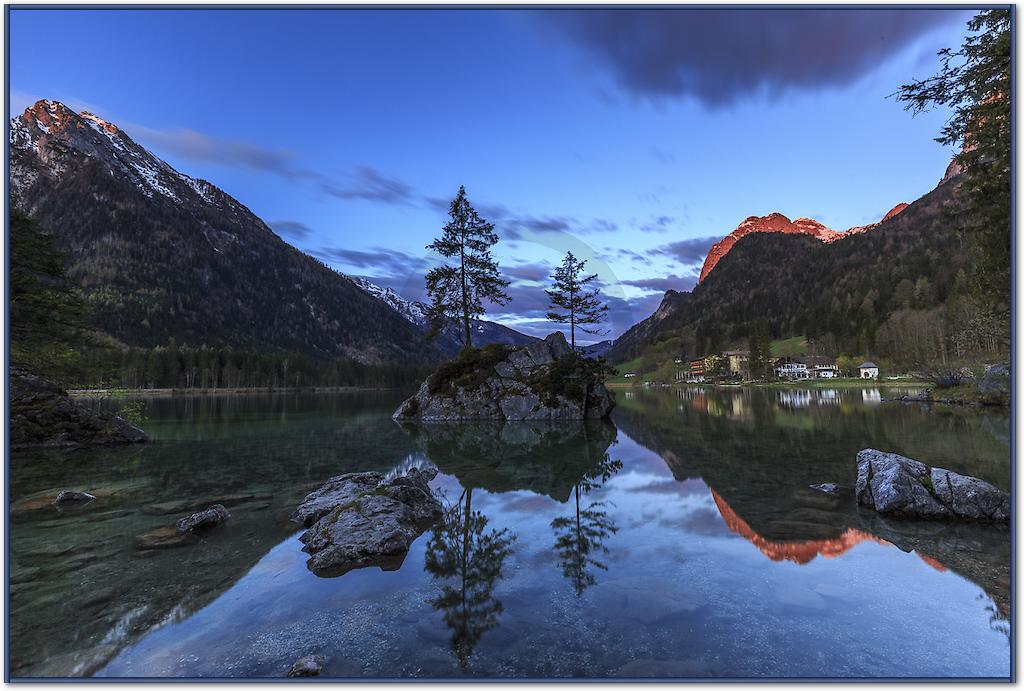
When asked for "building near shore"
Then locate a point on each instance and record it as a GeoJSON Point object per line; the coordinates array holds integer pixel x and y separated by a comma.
{"type": "Point", "coordinates": [738, 362]}
{"type": "Point", "coordinates": [868, 370]}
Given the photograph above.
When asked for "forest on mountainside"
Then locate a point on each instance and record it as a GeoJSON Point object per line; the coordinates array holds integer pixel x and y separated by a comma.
{"type": "Point", "coordinates": [901, 291]}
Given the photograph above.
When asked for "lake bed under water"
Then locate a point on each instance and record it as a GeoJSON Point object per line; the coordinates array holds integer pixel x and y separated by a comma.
{"type": "Point", "coordinates": [681, 539]}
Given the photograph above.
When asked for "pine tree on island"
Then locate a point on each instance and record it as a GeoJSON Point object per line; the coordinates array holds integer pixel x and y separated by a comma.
{"type": "Point", "coordinates": [573, 301]}
{"type": "Point", "coordinates": [457, 291]}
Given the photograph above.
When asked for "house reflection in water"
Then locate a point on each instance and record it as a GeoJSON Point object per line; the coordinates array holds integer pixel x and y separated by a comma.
{"type": "Point", "coordinates": [872, 396]}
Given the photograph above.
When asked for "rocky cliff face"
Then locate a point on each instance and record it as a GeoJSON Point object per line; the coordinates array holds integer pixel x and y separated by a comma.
{"type": "Point", "coordinates": [778, 223]}
{"type": "Point", "coordinates": [541, 381]}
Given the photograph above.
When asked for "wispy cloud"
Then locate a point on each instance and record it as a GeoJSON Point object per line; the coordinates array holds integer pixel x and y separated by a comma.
{"type": "Point", "coordinates": [295, 230]}
{"type": "Point", "coordinates": [661, 284]}
{"type": "Point", "coordinates": [369, 184]}
{"type": "Point", "coordinates": [689, 251]}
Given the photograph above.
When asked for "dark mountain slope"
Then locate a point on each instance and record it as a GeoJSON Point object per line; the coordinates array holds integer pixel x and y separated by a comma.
{"type": "Point", "coordinates": [161, 255]}
{"type": "Point", "coordinates": [803, 286]}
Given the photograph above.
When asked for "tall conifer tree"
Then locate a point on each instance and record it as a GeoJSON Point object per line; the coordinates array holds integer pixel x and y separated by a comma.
{"type": "Point", "coordinates": [457, 291]}
{"type": "Point", "coordinates": [579, 304]}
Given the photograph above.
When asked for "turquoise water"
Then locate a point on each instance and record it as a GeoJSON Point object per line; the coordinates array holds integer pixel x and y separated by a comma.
{"type": "Point", "coordinates": [681, 540]}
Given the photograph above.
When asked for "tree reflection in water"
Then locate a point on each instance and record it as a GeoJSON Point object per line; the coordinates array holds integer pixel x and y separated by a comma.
{"type": "Point", "coordinates": [579, 539]}
{"type": "Point", "coordinates": [469, 559]}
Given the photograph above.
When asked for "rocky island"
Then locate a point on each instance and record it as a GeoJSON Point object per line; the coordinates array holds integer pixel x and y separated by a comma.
{"type": "Point", "coordinates": [544, 380]}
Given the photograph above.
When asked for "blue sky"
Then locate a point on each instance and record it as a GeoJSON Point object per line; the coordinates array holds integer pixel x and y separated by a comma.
{"type": "Point", "coordinates": [634, 138]}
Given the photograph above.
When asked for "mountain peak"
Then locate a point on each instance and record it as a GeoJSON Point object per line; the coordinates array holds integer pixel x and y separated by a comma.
{"type": "Point", "coordinates": [776, 222]}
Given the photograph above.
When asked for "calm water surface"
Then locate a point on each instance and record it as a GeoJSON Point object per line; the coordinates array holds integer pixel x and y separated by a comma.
{"type": "Point", "coordinates": [680, 541]}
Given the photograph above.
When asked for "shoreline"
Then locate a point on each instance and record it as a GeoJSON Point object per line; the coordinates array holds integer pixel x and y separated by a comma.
{"type": "Point", "coordinates": [799, 384]}
{"type": "Point", "coordinates": [115, 392]}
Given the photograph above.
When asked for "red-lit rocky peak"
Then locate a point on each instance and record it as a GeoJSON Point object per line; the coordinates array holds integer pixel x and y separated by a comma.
{"type": "Point", "coordinates": [50, 118]}
{"type": "Point", "coordinates": [894, 211]}
{"type": "Point", "coordinates": [772, 223]}
{"type": "Point", "coordinates": [100, 122]}
{"type": "Point", "coordinates": [778, 223]}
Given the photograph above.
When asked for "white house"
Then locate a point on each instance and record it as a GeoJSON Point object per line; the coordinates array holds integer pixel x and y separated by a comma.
{"type": "Point", "coordinates": [791, 370]}
{"type": "Point", "coordinates": [868, 370]}
{"type": "Point", "coordinates": [826, 372]}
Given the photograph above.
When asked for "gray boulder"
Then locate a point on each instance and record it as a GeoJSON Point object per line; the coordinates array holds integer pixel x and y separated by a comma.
{"type": "Point", "coordinates": [535, 382]}
{"type": "Point", "coordinates": [207, 518]}
{"type": "Point", "coordinates": [362, 519]}
{"type": "Point", "coordinates": [69, 497]}
{"type": "Point", "coordinates": [902, 487]}
{"type": "Point", "coordinates": [308, 666]}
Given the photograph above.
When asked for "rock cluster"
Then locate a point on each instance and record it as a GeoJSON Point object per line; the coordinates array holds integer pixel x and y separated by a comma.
{"type": "Point", "coordinates": [900, 486]}
{"type": "Point", "coordinates": [540, 381]}
{"type": "Point", "coordinates": [42, 415]}
{"type": "Point", "coordinates": [362, 519]}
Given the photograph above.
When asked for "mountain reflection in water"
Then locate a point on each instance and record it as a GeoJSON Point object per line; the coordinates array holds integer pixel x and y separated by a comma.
{"type": "Point", "coordinates": [586, 550]}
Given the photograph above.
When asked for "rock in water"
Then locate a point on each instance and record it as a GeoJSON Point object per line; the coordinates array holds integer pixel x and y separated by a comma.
{"type": "Point", "coordinates": [308, 666]}
{"type": "Point", "coordinates": [900, 486]}
{"type": "Point", "coordinates": [42, 414]}
{"type": "Point", "coordinates": [361, 519]}
{"type": "Point", "coordinates": [544, 380]}
{"type": "Point", "coordinates": [68, 497]}
{"type": "Point", "coordinates": [826, 487]}
{"type": "Point", "coordinates": [215, 515]}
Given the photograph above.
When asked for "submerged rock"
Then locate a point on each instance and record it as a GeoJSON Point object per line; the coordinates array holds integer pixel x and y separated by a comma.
{"type": "Point", "coordinates": [166, 537]}
{"type": "Point", "coordinates": [208, 518]}
{"type": "Point", "coordinates": [69, 497]}
{"type": "Point", "coordinates": [900, 486]}
{"type": "Point", "coordinates": [362, 519]}
{"type": "Point", "coordinates": [308, 666]}
{"type": "Point", "coordinates": [544, 380]}
{"type": "Point", "coordinates": [43, 415]}
{"type": "Point", "coordinates": [827, 488]}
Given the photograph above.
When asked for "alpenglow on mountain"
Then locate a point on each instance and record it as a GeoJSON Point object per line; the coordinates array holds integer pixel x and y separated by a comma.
{"type": "Point", "coordinates": [161, 255]}
{"type": "Point", "coordinates": [778, 223]}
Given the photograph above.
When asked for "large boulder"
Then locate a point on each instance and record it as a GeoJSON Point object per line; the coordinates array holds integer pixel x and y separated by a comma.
{"type": "Point", "coordinates": [902, 487]}
{"type": "Point", "coordinates": [363, 519]}
{"type": "Point", "coordinates": [544, 380]}
{"type": "Point", "coordinates": [43, 415]}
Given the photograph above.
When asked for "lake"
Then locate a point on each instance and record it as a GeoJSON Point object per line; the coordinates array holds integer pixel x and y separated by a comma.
{"type": "Point", "coordinates": [681, 539]}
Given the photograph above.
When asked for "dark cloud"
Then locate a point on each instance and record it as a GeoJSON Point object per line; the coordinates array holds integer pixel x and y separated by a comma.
{"type": "Point", "coordinates": [295, 230]}
{"type": "Point", "coordinates": [528, 272]}
{"type": "Point", "coordinates": [371, 185]}
{"type": "Point", "coordinates": [689, 251]}
{"type": "Point", "coordinates": [662, 284]}
{"type": "Point", "coordinates": [720, 56]}
{"type": "Point", "coordinates": [377, 261]}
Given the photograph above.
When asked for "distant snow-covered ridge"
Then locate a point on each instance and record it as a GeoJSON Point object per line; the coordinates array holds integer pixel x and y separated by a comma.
{"type": "Point", "coordinates": [416, 313]}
